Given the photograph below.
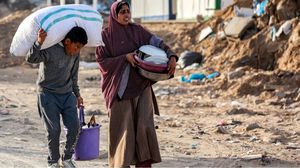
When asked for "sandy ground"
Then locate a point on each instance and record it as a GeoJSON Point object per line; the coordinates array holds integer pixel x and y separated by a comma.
{"type": "Point", "coordinates": [249, 116]}
{"type": "Point", "coordinates": [194, 129]}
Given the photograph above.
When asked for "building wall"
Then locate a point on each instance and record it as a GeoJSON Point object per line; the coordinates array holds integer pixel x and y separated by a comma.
{"type": "Point", "coordinates": [189, 9]}
{"type": "Point", "coordinates": [184, 9]}
{"type": "Point", "coordinates": [150, 9]}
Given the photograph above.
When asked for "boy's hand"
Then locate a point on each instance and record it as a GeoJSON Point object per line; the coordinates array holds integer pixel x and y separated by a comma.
{"type": "Point", "coordinates": [41, 36]}
{"type": "Point", "coordinates": [79, 101]}
{"type": "Point", "coordinates": [172, 65]}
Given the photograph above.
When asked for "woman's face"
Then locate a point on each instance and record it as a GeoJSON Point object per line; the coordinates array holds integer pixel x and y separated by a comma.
{"type": "Point", "coordinates": [124, 15]}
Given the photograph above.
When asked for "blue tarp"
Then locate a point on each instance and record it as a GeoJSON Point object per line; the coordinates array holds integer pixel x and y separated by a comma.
{"type": "Point", "coordinates": [259, 7]}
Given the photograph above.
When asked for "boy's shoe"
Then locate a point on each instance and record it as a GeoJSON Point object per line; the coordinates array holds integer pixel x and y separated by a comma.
{"type": "Point", "coordinates": [69, 163]}
{"type": "Point", "coordinates": [53, 165]}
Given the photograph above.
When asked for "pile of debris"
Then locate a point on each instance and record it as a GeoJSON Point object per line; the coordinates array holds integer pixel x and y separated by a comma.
{"type": "Point", "coordinates": [8, 27]}
{"type": "Point", "coordinates": [256, 51]}
{"type": "Point", "coordinates": [229, 33]}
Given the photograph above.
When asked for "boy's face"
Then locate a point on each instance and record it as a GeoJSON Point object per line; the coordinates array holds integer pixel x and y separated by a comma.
{"type": "Point", "coordinates": [72, 48]}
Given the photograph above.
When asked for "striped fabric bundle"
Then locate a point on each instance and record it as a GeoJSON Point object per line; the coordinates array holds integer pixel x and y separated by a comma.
{"type": "Point", "coordinates": [57, 21]}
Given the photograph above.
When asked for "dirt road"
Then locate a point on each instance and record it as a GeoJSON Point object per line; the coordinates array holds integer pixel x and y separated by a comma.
{"type": "Point", "coordinates": [259, 135]}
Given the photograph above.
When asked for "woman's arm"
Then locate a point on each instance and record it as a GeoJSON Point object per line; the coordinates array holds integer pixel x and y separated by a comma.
{"type": "Point", "coordinates": [158, 42]}
{"type": "Point", "coordinates": [173, 58]}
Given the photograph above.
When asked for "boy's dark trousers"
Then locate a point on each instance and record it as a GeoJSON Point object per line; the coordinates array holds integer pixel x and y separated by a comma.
{"type": "Point", "coordinates": [51, 106]}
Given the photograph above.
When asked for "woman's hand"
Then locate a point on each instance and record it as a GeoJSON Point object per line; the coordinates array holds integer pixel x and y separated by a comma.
{"type": "Point", "coordinates": [79, 101]}
{"type": "Point", "coordinates": [172, 65]}
{"type": "Point", "coordinates": [131, 60]}
{"type": "Point", "coordinates": [42, 36]}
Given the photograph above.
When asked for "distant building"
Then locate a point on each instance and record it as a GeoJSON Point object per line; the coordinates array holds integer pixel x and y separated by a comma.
{"type": "Point", "coordinates": [152, 9]}
{"type": "Point", "coordinates": [175, 9]}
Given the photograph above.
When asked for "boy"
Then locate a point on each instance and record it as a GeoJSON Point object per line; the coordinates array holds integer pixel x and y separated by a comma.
{"type": "Point", "coordinates": [58, 91]}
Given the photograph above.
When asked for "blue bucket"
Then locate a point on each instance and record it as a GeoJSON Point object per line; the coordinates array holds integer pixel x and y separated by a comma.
{"type": "Point", "coordinates": [87, 146]}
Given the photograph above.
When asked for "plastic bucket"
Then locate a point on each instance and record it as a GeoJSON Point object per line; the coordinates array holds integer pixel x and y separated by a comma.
{"type": "Point", "coordinates": [87, 146]}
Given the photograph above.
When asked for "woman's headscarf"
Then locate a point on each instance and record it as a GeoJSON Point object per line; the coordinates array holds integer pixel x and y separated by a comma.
{"type": "Point", "coordinates": [120, 40]}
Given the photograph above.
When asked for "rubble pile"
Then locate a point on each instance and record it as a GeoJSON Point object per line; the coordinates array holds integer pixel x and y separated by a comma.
{"type": "Point", "coordinates": [263, 61]}
{"type": "Point", "coordinates": [8, 26]}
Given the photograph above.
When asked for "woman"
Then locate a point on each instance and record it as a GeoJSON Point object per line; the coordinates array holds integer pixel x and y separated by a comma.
{"type": "Point", "coordinates": [129, 97]}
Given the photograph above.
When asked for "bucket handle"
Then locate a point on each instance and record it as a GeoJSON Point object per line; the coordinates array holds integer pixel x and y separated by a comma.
{"type": "Point", "coordinates": [81, 116]}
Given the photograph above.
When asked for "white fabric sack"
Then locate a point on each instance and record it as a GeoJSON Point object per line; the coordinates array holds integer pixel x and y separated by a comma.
{"type": "Point", "coordinates": [57, 21]}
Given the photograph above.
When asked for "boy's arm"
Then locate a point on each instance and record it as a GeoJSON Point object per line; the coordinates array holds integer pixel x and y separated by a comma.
{"type": "Point", "coordinates": [36, 55]}
{"type": "Point", "coordinates": [75, 77]}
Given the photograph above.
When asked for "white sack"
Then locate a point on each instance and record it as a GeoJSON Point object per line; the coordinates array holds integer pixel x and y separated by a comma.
{"type": "Point", "coordinates": [57, 21]}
